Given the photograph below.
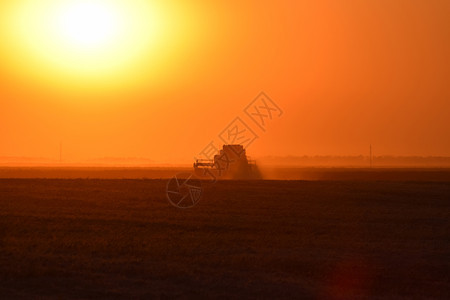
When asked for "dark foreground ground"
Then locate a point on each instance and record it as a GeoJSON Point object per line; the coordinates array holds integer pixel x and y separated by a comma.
{"type": "Point", "coordinates": [259, 239]}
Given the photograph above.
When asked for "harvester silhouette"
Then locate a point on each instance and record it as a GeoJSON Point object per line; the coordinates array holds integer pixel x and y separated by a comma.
{"type": "Point", "coordinates": [230, 163]}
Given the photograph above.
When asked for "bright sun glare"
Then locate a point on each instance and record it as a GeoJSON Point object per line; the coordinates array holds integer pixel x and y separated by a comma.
{"type": "Point", "coordinates": [89, 24]}
{"type": "Point", "coordinates": [81, 39]}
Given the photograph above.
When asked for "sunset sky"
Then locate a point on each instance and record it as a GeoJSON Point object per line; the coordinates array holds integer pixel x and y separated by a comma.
{"type": "Point", "coordinates": [162, 79]}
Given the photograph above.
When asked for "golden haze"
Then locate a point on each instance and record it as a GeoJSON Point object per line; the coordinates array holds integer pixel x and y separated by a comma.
{"type": "Point", "coordinates": [173, 74]}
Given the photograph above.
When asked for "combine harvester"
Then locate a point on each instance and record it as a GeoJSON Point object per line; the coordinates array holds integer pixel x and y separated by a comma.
{"type": "Point", "coordinates": [230, 163]}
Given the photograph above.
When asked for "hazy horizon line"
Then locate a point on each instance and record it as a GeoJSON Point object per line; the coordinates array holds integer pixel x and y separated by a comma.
{"type": "Point", "coordinates": [268, 160]}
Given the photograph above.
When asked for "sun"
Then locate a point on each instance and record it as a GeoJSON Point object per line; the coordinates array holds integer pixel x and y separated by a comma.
{"type": "Point", "coordinates": [87, 42]}
{"type": "Point", "coordinates": [89, 24]}
{"type": "Point", "coordinates": [101, 46]}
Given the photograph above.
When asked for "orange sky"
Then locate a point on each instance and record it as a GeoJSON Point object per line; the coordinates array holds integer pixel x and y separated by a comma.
{"type": "Point", "coordinates": [345, 73]}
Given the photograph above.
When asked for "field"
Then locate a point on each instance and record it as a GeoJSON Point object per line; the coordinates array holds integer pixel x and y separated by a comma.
{"type": "Point", "coordinates": [106, 238]}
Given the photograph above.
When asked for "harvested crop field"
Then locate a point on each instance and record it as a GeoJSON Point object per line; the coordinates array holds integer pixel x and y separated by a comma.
{"type": "Point", "coordinates": [92, 238]}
